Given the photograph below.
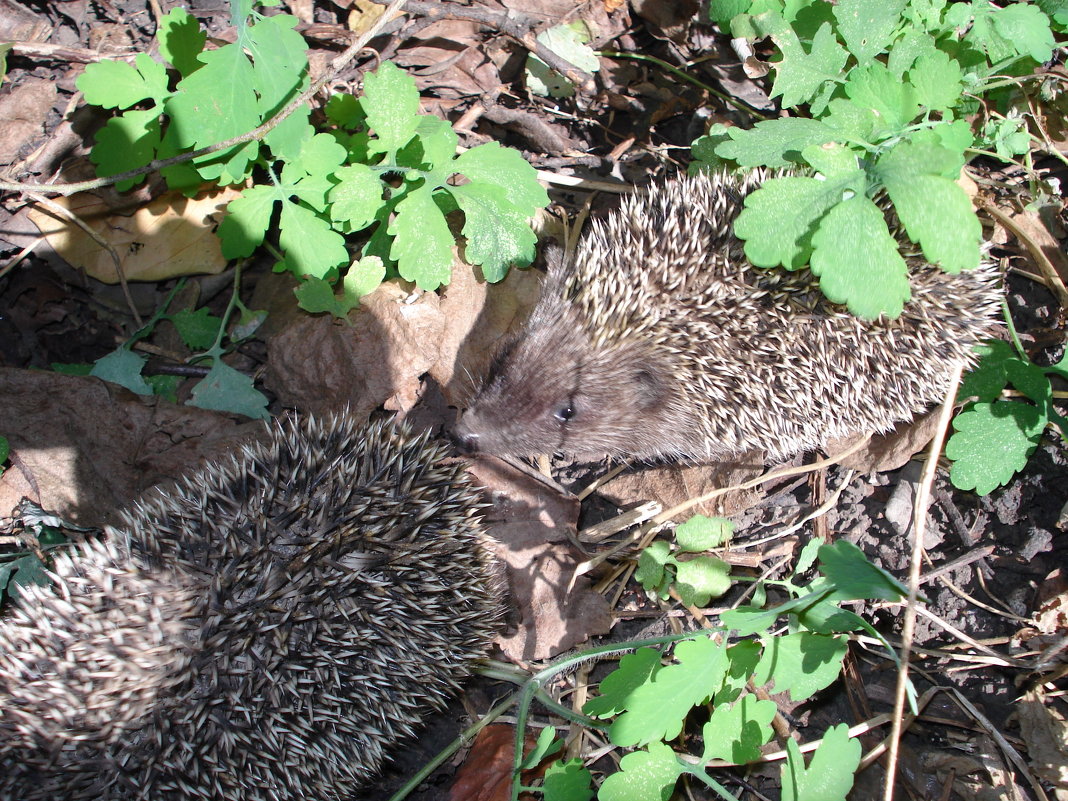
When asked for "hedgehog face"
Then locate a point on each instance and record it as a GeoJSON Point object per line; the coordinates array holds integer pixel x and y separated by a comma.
{"type": "Point", "coordinates": [553, 390]}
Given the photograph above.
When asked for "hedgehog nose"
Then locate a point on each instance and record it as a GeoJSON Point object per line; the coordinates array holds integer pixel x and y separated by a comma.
{"type": "Point", "coordinates": [465, 441]}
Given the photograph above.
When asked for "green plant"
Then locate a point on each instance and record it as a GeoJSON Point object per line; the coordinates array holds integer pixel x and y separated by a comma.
{"type": "Point", "coordinates": [884, 90]}
{"type": "Point", "coordinates": [379, 169]}
{"type": "Point", "coordinates": [647, 701]}
{"type": "Point", "coordinates": [32, 525]}
{"type": "Point", "coordinates": [995, 436]}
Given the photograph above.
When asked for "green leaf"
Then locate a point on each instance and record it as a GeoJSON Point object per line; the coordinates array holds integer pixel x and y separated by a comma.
{"type": "Point", "coordinates": [722, 12]}
{"type": "Point", "coordinates": [651, 563]}
{"type": "Point", "coordinates": [116, 84]}
{"type": "Point", "coordinates": [775, 143]}
{"type": "Point", "coordinates": [701, 533]}
{"type": "Point", "coordinates": [1008, 136]}
{"type": "Point", "coordinates": [123, 367]}
{"type": "Point", "coordinates": [801, 664]}
{"type": "Point", "coordinates": [198, 329]}
{"type": "Point", "coordinates": [800, 76]}
{"type": "Point", "coordinates": [422, 242]}
{"type": "Point", "coordinates": [866, 27]}
{"type": "Point", "coordinates": [643, 776]}
{"type": "Point", "coordinates": [247, 219]}
{"type": "Point", "coordinates": [567, 781]}
{"type": "Point", "coordinates": [992, 442]}
{"type": "Point", "coordinates": [125, 143]}
{"type": "Point", "coordinates": [215, 103]}
{"type": "Point", "coordinates": [548, 743]}
{"type": "Point", "coordinates": [280, 61]}
{"type": "Point", "coordinates": [310, 245]}
{"type": "Point", "coordinates": [363, 277]}
{"type": "Point", "coordinates": [736, 732]}
{"type": "Point", "coordinates": [742, 658]}
{"type": "Point", "coordinates": [181, 40]}
{"type": "Point", "coordinates": [5, 449]}
{"type": "Point", "coordinates": [569, 42]}
{"type": "Point", "coordinates": [780, 217]}
{"type": "Point", "coordinates": [858, 262]}
{"type": "Point", "coordinates": [854, 577]}
{"type": "Point", "coordinates": [905, 51]}
{"type": "Point", "coordinates": [935, 211]}
{"type": "Point", "coordinates": [224, 389]}
{"type": "Point", "coordinates": [490, 163]}
{"type": "Point", "coordinates": [5, 48]}
{"type": "Point", "coordinates": [986, 380]}
{"type": "Point", "coordinates": [893, 100]}
{"type": "Point", "coordinates": [345, 112]}
{"type": "Point", "coordinates": [391, 103]}
{"type": "Point", "coordinates": [316, 295]}
{"type": "Point", "coordinates": [72, 368]}
{"type": "Point", "coordinates": [656, 710]}
{"type": "Point", "coordinates": [498, 234]}
{"type": "Point", "coordinates": [702, 578]}
{"type": "Point", "coordinates": [617, 687]}
{"type": "Point", "coordinates": [829, 776]}
{"type": "Point", "coordinates": [1026, 29]}
{"type": "Point", "coordinates": [1030, 379]}
{"type": "Point", "coordinates": [938, 80]}
{"type": "Point", "coordinates": [357, 198]}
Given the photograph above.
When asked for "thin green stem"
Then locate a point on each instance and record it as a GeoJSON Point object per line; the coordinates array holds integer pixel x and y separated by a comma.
{"type": "Point", "coordinates": [465, 736]}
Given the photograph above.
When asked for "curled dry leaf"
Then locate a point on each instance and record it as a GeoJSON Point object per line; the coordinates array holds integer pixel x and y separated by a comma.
{"type": "Point", "coordinates": [83, 448]}
{"type": "Point", "coordinates": [891, 450]}
{"type": "Point", "coordinates": [23, 110]}
{"type": "Point", "coordinates": [397, 336]}
{"type": "Point", "coordinates": [170, 236]}
{"type": "Point", "coordinates": [1045, 730]}
{"type": "Point", "coordinates": [533, 526]}
{"type": "Point", "coordinates": [676, 483]}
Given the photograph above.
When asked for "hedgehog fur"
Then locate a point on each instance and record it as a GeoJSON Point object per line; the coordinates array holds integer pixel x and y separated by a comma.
{"type": "Point", "coordinates": [659, 338]}
{"type": "Point", "coordinates": [263, 630]}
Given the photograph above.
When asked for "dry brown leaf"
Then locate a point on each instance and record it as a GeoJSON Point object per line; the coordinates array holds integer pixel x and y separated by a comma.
{"type": "Point", "coordinates": [167, 237]}
{"type": "Point", "coordinates": [478, 316]}
{"type": "Point", "coordinates": [891, 450]}
{"type": "Point", "coordinates": [318, 363]}
{"type": "Point", "coordinates": [486, 774]}
{"type": "Point", "coordinates": [1045, 731]}
{"type": "Point", "coordinates": [671, 485]}
{"type": "Point", "coordinates": [1051, 606]}
{"type": "Point", "coordinates": [533, 525]}
{"type": "Point", "coordinates": [23, 109]}
{"type": "Point", "coordinates": [83, 448]}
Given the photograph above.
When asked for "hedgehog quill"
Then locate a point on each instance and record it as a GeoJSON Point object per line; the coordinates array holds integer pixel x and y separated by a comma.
{"type": "Point", "coordinates": [659, 339]}
{"type": "Point", "coordinates": [264, 630]}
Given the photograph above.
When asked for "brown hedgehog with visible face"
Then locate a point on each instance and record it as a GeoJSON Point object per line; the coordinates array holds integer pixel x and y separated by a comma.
{"type": "Point", "coordinates": [264, 630]}
{"type": "Point", "coordinates": [660, 339]}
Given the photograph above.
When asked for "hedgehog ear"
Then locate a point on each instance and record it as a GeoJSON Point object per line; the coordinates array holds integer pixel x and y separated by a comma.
{"type": "Point", "coordinates": [652, 389]}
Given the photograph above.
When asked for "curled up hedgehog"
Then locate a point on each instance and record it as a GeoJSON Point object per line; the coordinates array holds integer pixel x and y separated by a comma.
{"type": "Point", "coordinates": [264, 630]}
{"type": "Point", "coordinates": [659, 338]}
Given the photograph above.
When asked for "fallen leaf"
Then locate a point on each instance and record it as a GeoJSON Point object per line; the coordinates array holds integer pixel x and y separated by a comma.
{"type": "Point", "coordinates": [1044, 728]}
{"type": "Point", "coordinates": [23, 110]}
{"type": "Point", "coordinates": [891, 450]}
{"type": "Point", "coordinates": [673, 484]}
{"type": "Point", "coordinates": [170, 236]}
{"type": "Point", "coordinates": [486, 774]}
{"type": "Point", "coordinates": [533, 528]}
{"type": "Point", "coordinates": [84, 449]}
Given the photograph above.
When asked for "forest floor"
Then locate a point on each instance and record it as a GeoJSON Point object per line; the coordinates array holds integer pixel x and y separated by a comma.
{"type": "Point", "coordinates": [990, 644]}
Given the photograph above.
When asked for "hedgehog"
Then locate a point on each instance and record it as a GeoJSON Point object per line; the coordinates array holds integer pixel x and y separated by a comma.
{"type": "Point", "coordinates": [265, 629]}
{"type": "Point", "coordinates": [658, 339]}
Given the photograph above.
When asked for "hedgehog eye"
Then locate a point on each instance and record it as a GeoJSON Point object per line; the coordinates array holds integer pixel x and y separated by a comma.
{"type": "Point", "coordinates": [565, 412]}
